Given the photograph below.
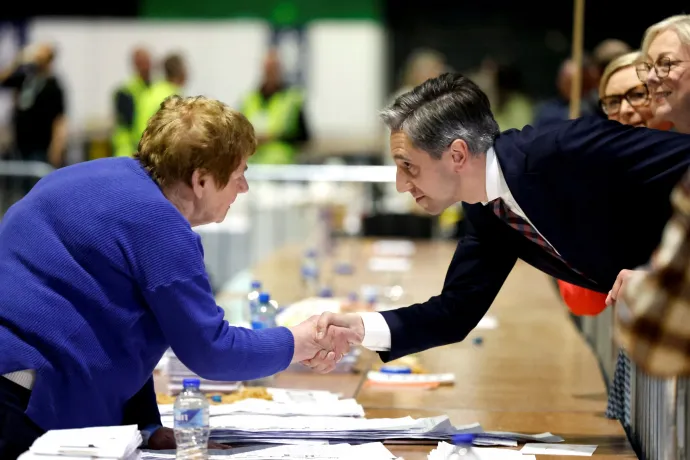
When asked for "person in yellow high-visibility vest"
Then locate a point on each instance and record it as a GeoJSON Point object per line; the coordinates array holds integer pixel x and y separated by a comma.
{"type": "Point", "coordinates": [126, 99]}
{"type": "Point", "coordinates": [277, 112]}
{"type": "Point", "coordinates": [151, 99]}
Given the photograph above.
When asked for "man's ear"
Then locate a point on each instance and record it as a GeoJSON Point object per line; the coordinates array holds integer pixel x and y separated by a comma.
{"type": "Point", "coordinates": [459, 153]}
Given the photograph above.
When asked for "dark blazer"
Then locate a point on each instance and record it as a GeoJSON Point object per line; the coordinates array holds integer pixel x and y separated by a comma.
{"type": "Point", "coordinates": [597, 190]}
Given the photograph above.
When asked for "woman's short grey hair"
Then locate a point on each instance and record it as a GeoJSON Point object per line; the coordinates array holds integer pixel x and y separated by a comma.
{"type": "Point", "coordinates": [441, 110]}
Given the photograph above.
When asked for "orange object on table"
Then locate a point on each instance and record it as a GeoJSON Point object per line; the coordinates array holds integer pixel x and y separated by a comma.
{"type": "Point", "coordinates": [582, 301]}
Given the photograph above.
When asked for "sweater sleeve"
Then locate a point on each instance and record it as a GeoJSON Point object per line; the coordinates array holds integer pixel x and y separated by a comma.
{"type": "Point", "coordinates": [194, 326]}
{"type": "Point", "coordinates": [168, 261]}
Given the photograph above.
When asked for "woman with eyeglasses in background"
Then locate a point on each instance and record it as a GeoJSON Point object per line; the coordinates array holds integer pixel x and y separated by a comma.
{"type": "Point", "coordinates": [624, 98]}
{"type": "Point", "coordinates": [664, 66]}
{"type": "Point", "coordinates": [662, 289]}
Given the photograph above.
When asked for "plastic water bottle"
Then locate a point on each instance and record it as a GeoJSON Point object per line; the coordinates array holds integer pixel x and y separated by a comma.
{"type": "Point", "coordinates": [253, 299]}
{"type": "Point", "coordinates": [310, 273]}
{"type": "Point", "coordinates": [265, 314]}
{"type": "Point", "coordinates": [191, 422]}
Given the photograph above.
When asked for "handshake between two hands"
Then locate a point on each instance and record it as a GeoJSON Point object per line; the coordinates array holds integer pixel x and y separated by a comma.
{"type": "Point", "coordinates": [322, 341]}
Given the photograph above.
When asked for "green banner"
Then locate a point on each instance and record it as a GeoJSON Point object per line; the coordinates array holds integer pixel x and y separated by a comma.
{"type": "Point", "coordinates": [278, 12]}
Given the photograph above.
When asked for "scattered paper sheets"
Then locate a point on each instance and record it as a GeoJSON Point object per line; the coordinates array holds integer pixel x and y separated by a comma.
{"type": "Point", "coordinates": [246, 428]}
{"type": "Point", "coordinates": [111, 443]}
{"type": "Point", "coordinates": [369, 451]}
{"type": "Point", "coordinates": [336, 408]}
{"type": "Point", "coordinates": [265, 428]}
{"type": "Point", "coordinates": [31, 456]}
{"type": "Point", "coordinates": [541, 437]}
{"type": "Point", "coordinates": [559, 449]}
{"type": "Point", "coordinates": [446, 451]}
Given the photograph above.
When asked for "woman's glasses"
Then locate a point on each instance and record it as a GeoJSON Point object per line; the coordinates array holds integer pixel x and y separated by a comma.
{"type": "Point", "coordinates": [636, 97]}
{"type": "Point", "coordinates": [662, 67]}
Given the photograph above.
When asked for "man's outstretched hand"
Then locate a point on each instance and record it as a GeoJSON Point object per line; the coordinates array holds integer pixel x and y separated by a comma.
{"type": "Point", "coordinates": [334, 330]}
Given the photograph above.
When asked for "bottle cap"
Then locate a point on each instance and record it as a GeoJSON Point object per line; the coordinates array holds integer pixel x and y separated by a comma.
{"type": "Point", "coordinates": [264, 297]}
{"type": "Point", "coordinates": [326, 292]}
{"type": "Point", "coordinates": [369, 293]}
{"type": "Point", "coordinates": [191, 383]}
{"type": "Point", "coordinates": [256, 285]}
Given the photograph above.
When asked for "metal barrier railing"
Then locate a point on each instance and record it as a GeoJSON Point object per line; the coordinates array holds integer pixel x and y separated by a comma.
{"type": "Point", "coordinates": [658, 410]}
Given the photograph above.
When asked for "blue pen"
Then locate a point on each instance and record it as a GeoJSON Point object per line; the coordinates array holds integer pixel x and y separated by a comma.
{"type": "Point", "coordinates": [464, 439]}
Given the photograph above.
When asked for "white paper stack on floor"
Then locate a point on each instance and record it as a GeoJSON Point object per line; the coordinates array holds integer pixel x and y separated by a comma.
{"type": "Point", "coordinates": [267, 428]}
{"type": "Point", "coordinates": [107, 443]}
{"type": "Point", "coordinates": [369, 451]}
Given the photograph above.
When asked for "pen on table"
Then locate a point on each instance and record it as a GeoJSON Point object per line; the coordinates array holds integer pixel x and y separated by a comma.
{"type": "Point", "coordinates": [464, 439]}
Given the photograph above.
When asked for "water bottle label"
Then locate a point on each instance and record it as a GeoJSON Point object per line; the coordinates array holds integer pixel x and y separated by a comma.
{"type": "Point", "coordinates": [257, 325]}
{"type": "Point", "coordinates": [189, 418]}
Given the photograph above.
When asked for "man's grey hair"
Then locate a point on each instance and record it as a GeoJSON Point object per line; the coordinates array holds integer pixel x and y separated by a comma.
{"type": "Point", "coordinates": [441, 110]}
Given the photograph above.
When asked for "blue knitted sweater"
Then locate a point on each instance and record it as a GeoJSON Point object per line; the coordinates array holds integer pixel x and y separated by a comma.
{"type": "Point", "coordinates": [99, 275]}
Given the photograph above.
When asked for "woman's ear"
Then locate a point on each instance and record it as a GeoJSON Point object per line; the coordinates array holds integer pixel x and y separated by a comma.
{"type": "Point", "coordinates": [199, 181]}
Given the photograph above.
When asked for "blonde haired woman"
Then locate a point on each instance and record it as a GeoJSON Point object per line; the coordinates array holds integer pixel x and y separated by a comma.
{"type": "Point", "coordinates": [665, 69]}
{"type": "Point", "coordinates": [623, 97]}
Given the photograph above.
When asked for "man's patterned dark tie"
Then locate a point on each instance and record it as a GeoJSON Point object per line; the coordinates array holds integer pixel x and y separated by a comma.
{"type": "Point", "coordinates": [521, 225]}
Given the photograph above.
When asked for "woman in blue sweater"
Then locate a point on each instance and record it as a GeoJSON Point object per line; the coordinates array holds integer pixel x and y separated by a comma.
{"type": "Point", "coordinates": [100, 272]}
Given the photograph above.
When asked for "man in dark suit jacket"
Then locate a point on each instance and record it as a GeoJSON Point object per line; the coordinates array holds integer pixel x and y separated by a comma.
{"type": "Point", "coordinates": [564, 198]}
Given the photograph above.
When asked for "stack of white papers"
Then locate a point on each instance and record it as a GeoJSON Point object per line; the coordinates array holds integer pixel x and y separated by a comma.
{"type": "Point", "coordinates": [369, 451]}
{"type": "Point", "coordinates": [336, 408]}
{"type": "Point", "coordinates": [446, 451]}
{"type": "Point", "coordinates": [559, 449]}
{"type": "Point", "coordinates": [107, 443]}
{"type": "Point", "coordinates": [547, 437]}
{"type": "Point", "coordinates": [237, 428]}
